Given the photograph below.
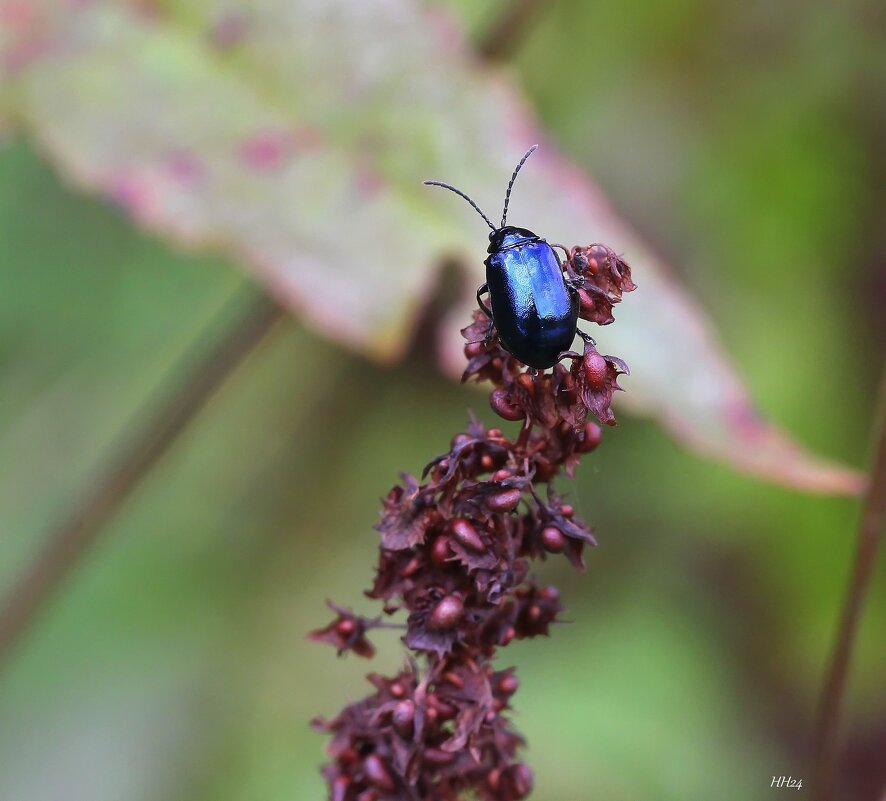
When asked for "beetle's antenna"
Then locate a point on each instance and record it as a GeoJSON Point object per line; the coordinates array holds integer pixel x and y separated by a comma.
{"type": "Point", "coordinates": [526, 155]}
{"type": "Point", "coordinates": [462, 194]}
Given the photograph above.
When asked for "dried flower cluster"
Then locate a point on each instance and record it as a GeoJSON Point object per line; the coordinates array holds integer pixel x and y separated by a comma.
{"type": "Point", "coordinates": [455, 557]}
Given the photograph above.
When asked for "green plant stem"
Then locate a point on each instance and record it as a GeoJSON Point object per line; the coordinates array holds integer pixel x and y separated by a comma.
{"type": "Point", "coordinates": [826, 743]}
{"type": "Point", "coordinates": [80, 530]}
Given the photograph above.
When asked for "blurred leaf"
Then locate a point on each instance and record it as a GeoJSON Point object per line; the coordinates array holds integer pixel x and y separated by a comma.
{"type": "Point", "coordinates": [294, 135]}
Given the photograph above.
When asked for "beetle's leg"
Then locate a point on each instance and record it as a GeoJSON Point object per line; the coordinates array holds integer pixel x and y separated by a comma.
{"type": "Point", "coordinates": [568, 268]}
{"type": "Point", "coordinates": [484, 290]}
{"type": "Point", "coordinates": [586, 337]}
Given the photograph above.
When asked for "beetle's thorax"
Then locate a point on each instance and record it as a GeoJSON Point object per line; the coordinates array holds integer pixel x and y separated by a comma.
{"type": "Point", "coordinates": [508, 237]}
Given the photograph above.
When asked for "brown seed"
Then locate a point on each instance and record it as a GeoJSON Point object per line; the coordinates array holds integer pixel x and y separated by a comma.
{"type": "Point", "coordinates": [525, 381]}
{"type": "Point", "coordinates": [396, 689]}
{"type": "Point", "coordinates": [447, 613]}
{"type": "Point", "coordinates": [596, 370]}
{"type": "Point", "coordinates": [493, 779]}
{"type": "Point", "coordinates": [501, 403]}
{"type": "Point", "coordinates": [411, 568]}
{"type": "Point", "coordinates": [487, 462]}
{"type": "Point", "coordinates": [377, 773]}
{"type": "Point", "coordinates": [446, 711]}
{"type": "Point", "coordinates": [507, 685]}
{"type": "Point", "coordinates": [440, 551]}
{"type": "Point", "coordinates": [466, 534]}
{"type": "Point", "coordinates": [403, 716]}
{"type": "Point", "coordinates": [567, 510]}
{"type": "Point", "coordinates": [473, 349]}
{"type": "Point", "coordinates": [454, 679]}
{"type": "Point", "coordinates": [590, 438]}
{"type": "Point", "coordinates": [549, 593]}
{"type": "Point", "coordinates": [534, 613]}
{"type": "Point", "coordinates": [340, 788]}
{"type": "Point", "coordinates": [431, 716]}
{"type": "Point", "coordinates": [553, 539]}
{"type": "Point", "coordinates": [437, 756]}
{"type": "Point", "coordinates": [346, 627]}
{"type": "Point", "coordinates": [459, 441]}
{"type": "Point", "coordinates": [522, 780]}
{"type": "Point", "coordinates": [505, 501]}
{"type": "Point", "coordinates": [500, 475]}
{"type": "Point", "coordinates": [494, 433]}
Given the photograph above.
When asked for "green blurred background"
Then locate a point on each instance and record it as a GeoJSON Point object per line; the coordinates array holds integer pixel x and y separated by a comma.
{"type": "Point", "coordinates": [745, 142]}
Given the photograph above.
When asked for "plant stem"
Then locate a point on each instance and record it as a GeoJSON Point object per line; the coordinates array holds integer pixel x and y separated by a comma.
{"type": "Point", "coordinates": [506, 33]}
{"type": "Point", "coordinates": [827, 731]}
{"type": "Point", "coordinates": [73, 537]}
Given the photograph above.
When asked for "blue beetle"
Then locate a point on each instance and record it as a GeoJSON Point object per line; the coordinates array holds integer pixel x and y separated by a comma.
{"type": "Point", "coordinates": [534, 306]}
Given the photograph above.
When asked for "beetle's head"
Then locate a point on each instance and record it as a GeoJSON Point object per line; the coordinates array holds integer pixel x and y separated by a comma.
{"type": "Point", "coordinates": [508, 236]}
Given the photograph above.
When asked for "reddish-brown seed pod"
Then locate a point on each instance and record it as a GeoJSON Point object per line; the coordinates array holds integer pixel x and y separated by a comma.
{"type": "Point", "coordinates": [473, 349]}
{"type": "Point", "coordinates": [411, 567]}
{"type": "Point", "coordinates": [446, 711]}
{"type": "Point", "coordinates": [440, 551]}
{"type": "Point", "coordinates": [459, 441]}
{"type": "Point", "coordinates": [595, 370]}
{"type": "Point", "coordinates": [504, 501]}
{"type": "Point", "coordinates": [527, 383]}
{"type": "Point", "coordinates": [493, 779]}
{"type": "Point", "coordinates": [487, 462]}
{"type": "Point", "coordinates": [507, 685]}
{"type": "Point", "coordinates": [549, 593]}
{"type": "Point", "coordinates": [403, 716]}
{"type": "Point", "coordinates": [340, 787]}
{"type": "Point", "coordinates": [521, 780]}
{"type": "Point", "coordinates": [567, 510]}
{"type": "Point", "coordinates": [377, 773]}
{"type": "Point", "coordinates": [437, 756]}
{"type": "Point", "coordinates": [346, 627]}
{"type": "Point", "coordinates": [454, 679]}
{"type": "Point", "coordinates": [397, 690]}
{"type": "Point", "coordinates": [501, 403]}
{"type": "Point", "coordinates": [591, 437]}
{"type": "Point", "coordinates": [465, 533]}
{"type": "Point", "coordinates": [553, 539]}
{"type": "Point", "coordinates": [447, 613]}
